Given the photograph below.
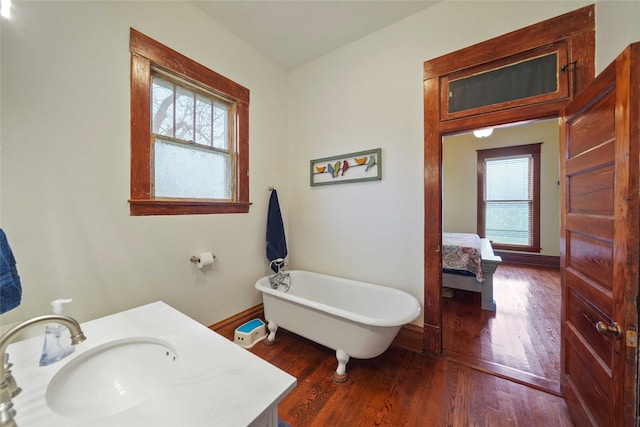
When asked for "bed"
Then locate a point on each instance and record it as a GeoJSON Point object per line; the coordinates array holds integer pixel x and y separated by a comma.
{"type": "Point", "coordinates": [468, 263]}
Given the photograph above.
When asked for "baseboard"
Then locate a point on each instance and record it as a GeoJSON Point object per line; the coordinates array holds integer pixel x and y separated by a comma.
{"type": "Point", "coordinates": [523, 258]}
{"type": "Point", "coordinates": [409, 337]}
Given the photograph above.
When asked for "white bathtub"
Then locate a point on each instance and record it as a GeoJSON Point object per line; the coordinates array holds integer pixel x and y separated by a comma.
{"type": "Point", "coordinates": [354, 318]}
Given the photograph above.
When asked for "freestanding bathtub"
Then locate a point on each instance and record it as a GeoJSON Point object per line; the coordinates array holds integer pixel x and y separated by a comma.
{"type": "Point", "coordinates": [356, 319]}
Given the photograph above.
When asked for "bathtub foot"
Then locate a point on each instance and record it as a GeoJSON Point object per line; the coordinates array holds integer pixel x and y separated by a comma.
{"type": "Point", "coordinates": [271, 338]}
{"type": "Point", "coordinates": [341, 375]}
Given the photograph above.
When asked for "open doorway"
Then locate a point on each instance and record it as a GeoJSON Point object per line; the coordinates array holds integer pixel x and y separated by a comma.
{"type": "Point", "coordinates": [573, 34]}
{"type": "Point", "coordinates": [521, 337]}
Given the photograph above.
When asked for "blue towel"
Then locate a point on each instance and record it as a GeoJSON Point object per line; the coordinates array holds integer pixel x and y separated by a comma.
{"type": "Point", "coordinates": [10, 289]}
{"type": "Point", "coordinates": [276, 242]}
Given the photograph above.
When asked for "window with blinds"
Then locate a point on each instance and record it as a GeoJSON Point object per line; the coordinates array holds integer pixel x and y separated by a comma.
{"type": "Point", "coordinates": [509, 196]}
{"type": "Point", "coordinates": [508, 199]}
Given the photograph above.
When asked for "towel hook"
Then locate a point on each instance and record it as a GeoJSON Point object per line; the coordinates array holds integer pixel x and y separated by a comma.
{"type": "Point", "coordinates": [271, 188]}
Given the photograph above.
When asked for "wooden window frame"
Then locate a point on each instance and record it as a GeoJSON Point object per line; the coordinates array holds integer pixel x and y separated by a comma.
{"type": "Point", "coordinates": [518, 150]}
{"type": "Point", "coordinates": [146, 55]}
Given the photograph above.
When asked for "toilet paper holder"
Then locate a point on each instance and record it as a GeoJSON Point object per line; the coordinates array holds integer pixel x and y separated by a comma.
{"type": "Point", "coordinates": [196, 259]}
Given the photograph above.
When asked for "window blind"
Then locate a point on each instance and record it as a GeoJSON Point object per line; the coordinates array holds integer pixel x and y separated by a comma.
{"type": "Point", "coordinates": [508, 200]}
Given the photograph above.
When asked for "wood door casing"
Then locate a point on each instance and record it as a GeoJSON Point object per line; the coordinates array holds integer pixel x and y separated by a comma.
{"type": "Point", "coordinates": [578, 29]}
{"type": "Point", "coordinates": [599, 147]}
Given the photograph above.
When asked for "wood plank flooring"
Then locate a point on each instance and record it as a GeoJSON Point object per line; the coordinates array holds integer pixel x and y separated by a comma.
{"type": "Point", "coordinates": [522, 335]}
{"type": "Point", "coordinates": [400, 388]}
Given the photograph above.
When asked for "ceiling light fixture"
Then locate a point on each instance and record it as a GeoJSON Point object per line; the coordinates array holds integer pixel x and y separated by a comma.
{"type": "Point", "coordinates": [482, 133]}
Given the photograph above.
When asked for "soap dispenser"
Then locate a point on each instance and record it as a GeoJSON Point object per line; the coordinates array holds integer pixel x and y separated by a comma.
{"type": "Point", "coordinates": [57, 338]}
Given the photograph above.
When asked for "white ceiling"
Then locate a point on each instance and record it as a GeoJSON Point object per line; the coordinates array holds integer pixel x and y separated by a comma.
{"type": "Point", "coordinates": [295, 32]}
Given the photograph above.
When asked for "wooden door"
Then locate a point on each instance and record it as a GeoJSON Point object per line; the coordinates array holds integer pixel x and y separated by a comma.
{"type": "Point", "coordinates": [600, 138]}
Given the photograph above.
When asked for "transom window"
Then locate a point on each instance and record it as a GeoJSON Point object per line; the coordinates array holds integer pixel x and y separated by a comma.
{"type": "Point", "coordinates": [189, 135]}
{"type": "Point", "coordinates": [529, 78]}
{"type": "Point", "coordinates": [533, 76]}
{"type": "Point", "coordinates": [509, 197]}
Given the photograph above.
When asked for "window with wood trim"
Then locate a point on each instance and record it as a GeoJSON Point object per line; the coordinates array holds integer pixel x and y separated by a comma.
{"type": "Point", "coordinates": [189, 135]}
{"type": "Point", "coordinates": [509, 197]}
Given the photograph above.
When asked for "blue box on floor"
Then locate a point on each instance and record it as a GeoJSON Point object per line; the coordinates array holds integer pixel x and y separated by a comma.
{"type": "Point", "coordinates": [249, 333]}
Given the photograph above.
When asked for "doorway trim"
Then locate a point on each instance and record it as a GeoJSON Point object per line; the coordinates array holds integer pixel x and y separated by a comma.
{"type": "Point", "coordinates": [577, 29]}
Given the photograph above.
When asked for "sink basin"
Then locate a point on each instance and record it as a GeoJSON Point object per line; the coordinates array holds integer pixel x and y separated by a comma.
{"type": "Point", "coordinates": [112, 378]}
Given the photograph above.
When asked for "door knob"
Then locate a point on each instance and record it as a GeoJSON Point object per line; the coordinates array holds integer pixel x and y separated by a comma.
{"type": "Point", "coordinates": [612, 329]}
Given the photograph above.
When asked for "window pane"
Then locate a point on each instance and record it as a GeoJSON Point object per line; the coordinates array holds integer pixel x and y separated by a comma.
{"type": "Point", "coordinates": [162, 107]}
{"type": "Point", "coordinates": [522, 80]}
{"type": "Point", "coordinates": [220, 126]}
{"type": "Point", "coordinates": [508, 200]}
{"type": "Point", "coordinates": [186, 172]}
{"type": "Point", "coordinates": [184, 114]}
{"type": "Point", "coordinates": [508, 222]}
{"type": "Point", "coordinates": [203, 120]}
{"type": "Point", "coordinates": [508, 179]}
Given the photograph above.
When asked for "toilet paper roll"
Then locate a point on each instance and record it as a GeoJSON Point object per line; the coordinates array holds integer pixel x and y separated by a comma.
{"type": "Point", "coordinates": [205, 258]}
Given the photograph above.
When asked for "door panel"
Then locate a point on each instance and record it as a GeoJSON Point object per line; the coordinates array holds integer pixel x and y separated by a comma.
{"type": "Point", "coordinates": [591, 257]}
{"type": "Point", "coordinates": [599, 245]}
{"type": "Point", "coordinates": [592, 192]}
{"type": "Point", "coordinates": [596, 294]}
{"type": "Point", "coordinates": [594, 128]}
{"type": "Point", "coordinates": [591, 392]}
{"type": "Point", "coordinates": [582, 316]}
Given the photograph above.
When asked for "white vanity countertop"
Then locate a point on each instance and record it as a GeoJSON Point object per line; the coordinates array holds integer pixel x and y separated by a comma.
{"type": "Point", "coordinates": [220, 383]}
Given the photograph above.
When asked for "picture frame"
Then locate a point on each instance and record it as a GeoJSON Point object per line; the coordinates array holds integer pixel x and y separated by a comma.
{"type": "Point", "coordinates": [347, 168]}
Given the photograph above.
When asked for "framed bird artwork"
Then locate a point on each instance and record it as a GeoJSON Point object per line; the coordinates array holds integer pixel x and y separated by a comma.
{"type": "Point", "coordinates": [353, 167]}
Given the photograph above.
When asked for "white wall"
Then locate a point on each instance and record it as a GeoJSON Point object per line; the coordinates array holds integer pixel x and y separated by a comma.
{"type": "Point", "coordinates": [459, 178]}
{"type": "Point", "coordinates": [616, 28]}
{"type": "Point", "coordinates": [369, 94]}
{"type": "Point", "coordinates": [65, 164]}
{"type": "Point", "coordinates": [65, 152]}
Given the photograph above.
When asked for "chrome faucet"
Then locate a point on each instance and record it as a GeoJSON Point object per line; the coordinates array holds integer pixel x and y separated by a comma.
{"type": "Point", "coordinates": [279, 277]}
{"type": "Point", "coordinates": [9, 387]}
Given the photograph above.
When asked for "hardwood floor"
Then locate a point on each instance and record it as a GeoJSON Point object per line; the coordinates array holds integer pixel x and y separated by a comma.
{"type": "Point", "coordinates": [400, 388]}
{"type": "Point", "coordinates": [522, 338]}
